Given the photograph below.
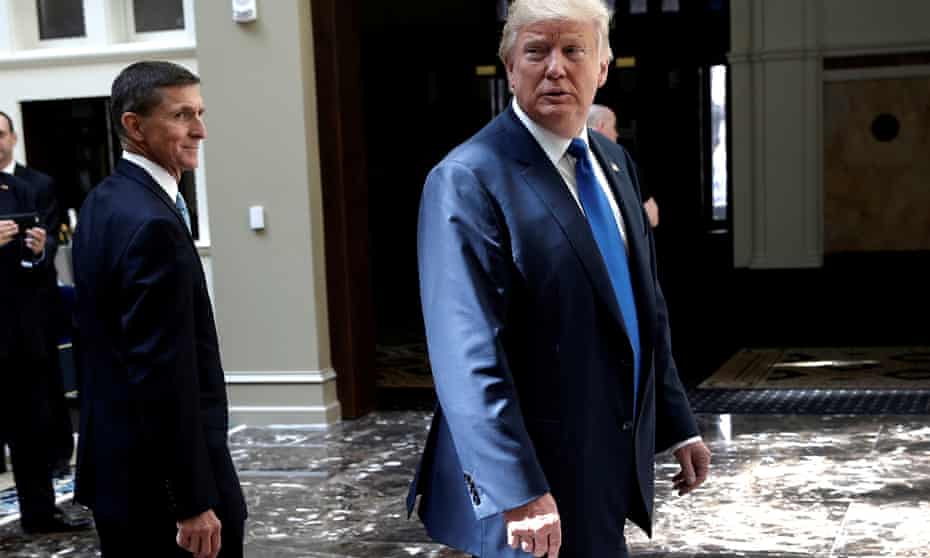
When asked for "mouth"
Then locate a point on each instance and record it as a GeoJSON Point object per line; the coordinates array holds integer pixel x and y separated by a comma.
{"type": "Point", "coordinates": [556, 95]}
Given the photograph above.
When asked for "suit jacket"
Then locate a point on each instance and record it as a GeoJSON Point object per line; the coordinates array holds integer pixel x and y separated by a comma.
{"type": "Point", "coordinates": [532, 364]}
{"type": "Point", "coordinates": [48, 206]}
{"type": "Point", "coordinates": [154, 416]}
{"type": "Point", "coordinates": [20, 315]}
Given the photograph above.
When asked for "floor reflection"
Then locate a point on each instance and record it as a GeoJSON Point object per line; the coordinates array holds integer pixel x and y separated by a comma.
{"type": "Point", "coordinates": [782, 486]}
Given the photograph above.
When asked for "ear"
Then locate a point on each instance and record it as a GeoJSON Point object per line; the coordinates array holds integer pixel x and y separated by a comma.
{"type": "Point", "coordinates": [603, 69]}
{"type": "Point", "coordinates": [132, 123]}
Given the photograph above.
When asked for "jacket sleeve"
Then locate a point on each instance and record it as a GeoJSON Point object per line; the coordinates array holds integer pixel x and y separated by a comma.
{"type": "Point", "coordinates": [465, 283]}
{"type": "Point", "coordinates": [157, 319]}
{"type": "Point", "coordinates": [47, 205]}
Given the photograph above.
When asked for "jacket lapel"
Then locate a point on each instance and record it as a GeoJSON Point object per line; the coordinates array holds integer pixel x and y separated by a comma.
{"type": "Point", "coordinates": [138, 174]}
{"type": "Point", "coordinates": [548, 184]}
{"type": "Point", "coordinates": [619, 174]}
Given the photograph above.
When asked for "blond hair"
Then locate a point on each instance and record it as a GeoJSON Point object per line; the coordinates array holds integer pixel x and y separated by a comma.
{"type": "Point", "coordinates": [527, 12]}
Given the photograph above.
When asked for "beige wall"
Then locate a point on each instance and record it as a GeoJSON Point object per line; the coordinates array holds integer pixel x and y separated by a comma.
{"type": "Point", "coordinates": [777, 77]}
{"type": "Point", "coordinates": [262, 149]}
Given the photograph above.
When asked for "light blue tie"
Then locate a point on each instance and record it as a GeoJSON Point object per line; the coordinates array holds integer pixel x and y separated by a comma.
{"type": "Point", "coordinates": [182, 208]}
{"type": "Point", "coordinates": [610, 244]}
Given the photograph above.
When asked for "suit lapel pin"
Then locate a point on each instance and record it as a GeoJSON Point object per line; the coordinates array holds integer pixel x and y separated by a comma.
{"type": "Point", "coordinates": [615, 167]}
{"type": "Point", "coordinates": [4, 187]}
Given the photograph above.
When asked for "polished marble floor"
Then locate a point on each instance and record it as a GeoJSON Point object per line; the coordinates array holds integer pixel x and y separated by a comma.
{"type": "Point", "coordinates": [782, 486]}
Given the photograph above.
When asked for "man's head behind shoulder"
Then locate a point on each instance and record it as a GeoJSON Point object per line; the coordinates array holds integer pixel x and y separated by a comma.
{"type": "Point", "coordinates": [603, 120]}
{"type": "Point", "coordinates": [7, 140]}
{"type": "Point", "coordinates": [157, 112]}
{"type": "Point", "coordinates": [557, 53]}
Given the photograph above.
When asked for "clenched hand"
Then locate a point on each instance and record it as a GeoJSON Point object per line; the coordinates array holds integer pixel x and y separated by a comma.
{"type": "Point", "coordinates": [535, 528]}
{"type": "Point", "coordinates": [695, 464]}
{"type": "Point", "coordinates": [200, 535]}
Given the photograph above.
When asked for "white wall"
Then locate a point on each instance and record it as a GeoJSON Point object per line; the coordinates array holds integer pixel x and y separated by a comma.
{"type": "Point", "coordinates": [776, 59]}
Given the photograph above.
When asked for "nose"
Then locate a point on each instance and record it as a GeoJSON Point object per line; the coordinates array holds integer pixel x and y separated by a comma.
{"type": "Point", "coordinates": [198, 128]}
{"type": "Point", "coordinates": [555, 65]}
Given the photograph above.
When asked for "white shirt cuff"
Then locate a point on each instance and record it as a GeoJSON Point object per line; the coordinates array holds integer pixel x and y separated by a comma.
{"type": "Point", "coordinates": [680, 445]}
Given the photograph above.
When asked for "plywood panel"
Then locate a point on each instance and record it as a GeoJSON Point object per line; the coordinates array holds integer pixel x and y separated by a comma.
{"type": "Point", "coordinates": [876, 193]}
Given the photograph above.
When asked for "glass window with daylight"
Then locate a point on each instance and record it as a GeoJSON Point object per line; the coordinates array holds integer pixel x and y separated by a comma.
{"type": "Point", "coordinates": [718, 122]}
{"type": "Point", "coordinates": [158, 15]}
{"type": "Point", "coordinates": [60, 19]}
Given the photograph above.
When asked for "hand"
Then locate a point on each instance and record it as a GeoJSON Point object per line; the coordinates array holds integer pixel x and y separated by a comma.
{"type": "Point", "coordinates": [35, 240]}
{"type": "Point", "coordinates": [535, 527]}
{"type": "Point", "coordinates": [200, 535]}
{"type": "Point", "coordinates": [695, 464]}
{"type": "Point", "coordinates": [652, 211]}
{"type": "Point", "coordinates": [8, 231]}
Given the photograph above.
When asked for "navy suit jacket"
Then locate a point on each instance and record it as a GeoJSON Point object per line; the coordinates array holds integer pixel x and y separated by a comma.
{"type": "Point", "coordinates": [154, 416]}
{"type": "Point", "coordinates": [20, 302]}
{"type": "Point", "coordinates": [532, 365]}
{"type": "Point", "coordinates": [46, 196]}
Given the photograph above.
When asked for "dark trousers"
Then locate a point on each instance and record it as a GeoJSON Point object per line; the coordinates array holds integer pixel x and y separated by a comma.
{"type": "Point", "coordinates": [61, 441]}
{"type": "Point", "coordinates": [25, 425]}
{"type": "Point", "coordinates": [154, 536]}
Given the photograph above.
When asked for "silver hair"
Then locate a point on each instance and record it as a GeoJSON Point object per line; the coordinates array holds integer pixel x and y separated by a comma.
{"type": "Point", "coordinates": [597, 114]}
{"type": "Point", "coordinates": [528, 12]}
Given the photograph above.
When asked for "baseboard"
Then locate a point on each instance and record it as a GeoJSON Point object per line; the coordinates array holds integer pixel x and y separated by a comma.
{"type": "Point", "coordinates": [304, 397]}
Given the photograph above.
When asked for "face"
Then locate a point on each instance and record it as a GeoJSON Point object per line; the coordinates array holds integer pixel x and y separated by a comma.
{"type": "Point", "coordinates": [7, 143]}
{"type": "Point", "coordinates": [555, 69]}
{"type": "Point", "coordinates": [171, 134]}
{"type": "Point", "coordinates": [608, 126]}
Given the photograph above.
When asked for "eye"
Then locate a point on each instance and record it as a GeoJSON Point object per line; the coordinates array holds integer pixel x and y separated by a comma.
{"type": "Point", "coordinates": [574, 51]}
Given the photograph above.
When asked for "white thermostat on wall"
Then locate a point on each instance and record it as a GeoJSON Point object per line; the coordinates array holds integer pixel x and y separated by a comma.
{"type": "Point", "coordinates": [244, 11]}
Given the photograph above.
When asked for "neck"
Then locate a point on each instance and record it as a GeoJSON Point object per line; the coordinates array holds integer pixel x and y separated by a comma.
{"type": "Point", "coordinates": [142, 152]}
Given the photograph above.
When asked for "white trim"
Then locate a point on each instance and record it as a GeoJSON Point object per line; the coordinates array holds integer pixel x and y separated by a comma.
{"type": "Point", "coordinates": [70, 56]}
{"type": "Point", "coordinates": [877, 72]}
{"type": "Point", "coordinates": [268, 409]}
{"type": "Point", "coordinates": [275, 377]}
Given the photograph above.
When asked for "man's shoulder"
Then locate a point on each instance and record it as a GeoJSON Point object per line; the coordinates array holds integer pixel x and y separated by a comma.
{"type": "Point", "coordinates": [32, 175]}
{"type": "Point", "coordinates": [487, 148]}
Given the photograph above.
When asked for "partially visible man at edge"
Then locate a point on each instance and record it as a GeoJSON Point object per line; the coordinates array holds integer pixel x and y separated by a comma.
{"type": "Point", "coordinates": [61, 439]}
{"type": "Point", "coordinates": [153, 457]}
{"type": "Point", "coordinates": [603, 120]}
{"type": "Point", "coordinates": [547, 330]}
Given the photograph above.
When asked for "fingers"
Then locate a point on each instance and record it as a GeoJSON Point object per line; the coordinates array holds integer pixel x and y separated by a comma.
{"type": "Point", "coordinates": [217, 542]}
{"type": "Point", "coordinates": [536, 536]}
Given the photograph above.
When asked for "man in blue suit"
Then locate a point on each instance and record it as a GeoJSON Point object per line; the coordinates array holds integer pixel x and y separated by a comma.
{"type": "Point", "coordinates": [153, 458]}
{"type": "Point", "coordinates": [547, 330]}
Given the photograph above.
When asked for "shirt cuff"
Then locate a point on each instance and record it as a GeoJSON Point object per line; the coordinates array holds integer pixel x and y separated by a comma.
{"type": "Point", "coordinates": [679, 445]}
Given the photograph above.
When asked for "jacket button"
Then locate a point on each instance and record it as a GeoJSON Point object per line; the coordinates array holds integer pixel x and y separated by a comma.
{"type": "Point", "coordinates": [627, 425]}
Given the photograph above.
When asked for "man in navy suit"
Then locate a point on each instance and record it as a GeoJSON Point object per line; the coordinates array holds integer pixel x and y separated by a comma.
{"type": "Point", "coordinates": [153, 457]}
{"type": "Point", "coordinates": [25, 413]}
{"type": "Point", "coordinates": [547, 330]}
{"type": "Point", "coordinates": [43, 187]}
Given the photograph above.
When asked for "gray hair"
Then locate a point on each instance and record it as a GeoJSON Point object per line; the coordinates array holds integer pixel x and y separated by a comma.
{"type": "Point", "coordinates": [528, 12]}
{"type": "Point", "coordinates": [138, 89]}
{"type": "Point", "coordinates": [597, 114]}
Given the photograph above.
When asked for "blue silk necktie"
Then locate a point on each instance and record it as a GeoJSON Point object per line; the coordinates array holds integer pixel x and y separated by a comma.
{"type": "Point", "coordinates": [182, 209]}
{"type": "Point", "coordinates": [610, 244]}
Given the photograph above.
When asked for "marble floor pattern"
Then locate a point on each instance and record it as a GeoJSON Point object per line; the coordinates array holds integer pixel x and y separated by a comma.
{"type": "Point", "coordinates": [782, 486]}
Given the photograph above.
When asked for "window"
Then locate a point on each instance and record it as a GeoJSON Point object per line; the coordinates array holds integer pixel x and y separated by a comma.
{"type": "Point", "coordinates": [158, 15]}
{"type": "Point", "coordinates": [718, 123]}
{"type": "Point", "coordinates": [60, 19]}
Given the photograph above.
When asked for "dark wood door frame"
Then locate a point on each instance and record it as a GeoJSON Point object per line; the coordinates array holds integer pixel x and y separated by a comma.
{"type": "Point", "coordinates": [337, 46]}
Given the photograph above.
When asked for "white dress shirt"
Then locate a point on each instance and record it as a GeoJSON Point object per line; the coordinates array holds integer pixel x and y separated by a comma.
{"type": "Point", "coordinates": [157, 172]}
{"type": "Point", "coordinates": [556, 149]}
{"type": "Point", "coordinates": [11, 168]}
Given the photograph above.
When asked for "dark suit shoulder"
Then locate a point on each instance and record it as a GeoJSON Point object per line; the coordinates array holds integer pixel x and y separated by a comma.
{"type": "Point", "coordinates": [33, 176]}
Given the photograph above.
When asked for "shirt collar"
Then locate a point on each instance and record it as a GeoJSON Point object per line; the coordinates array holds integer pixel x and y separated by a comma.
{"type": "Point", "coordinates": [552, 144]}
{"type": "Point", "coordinates": [157, 172]}
{"type": "Point", "coordinates": [11, 168]}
